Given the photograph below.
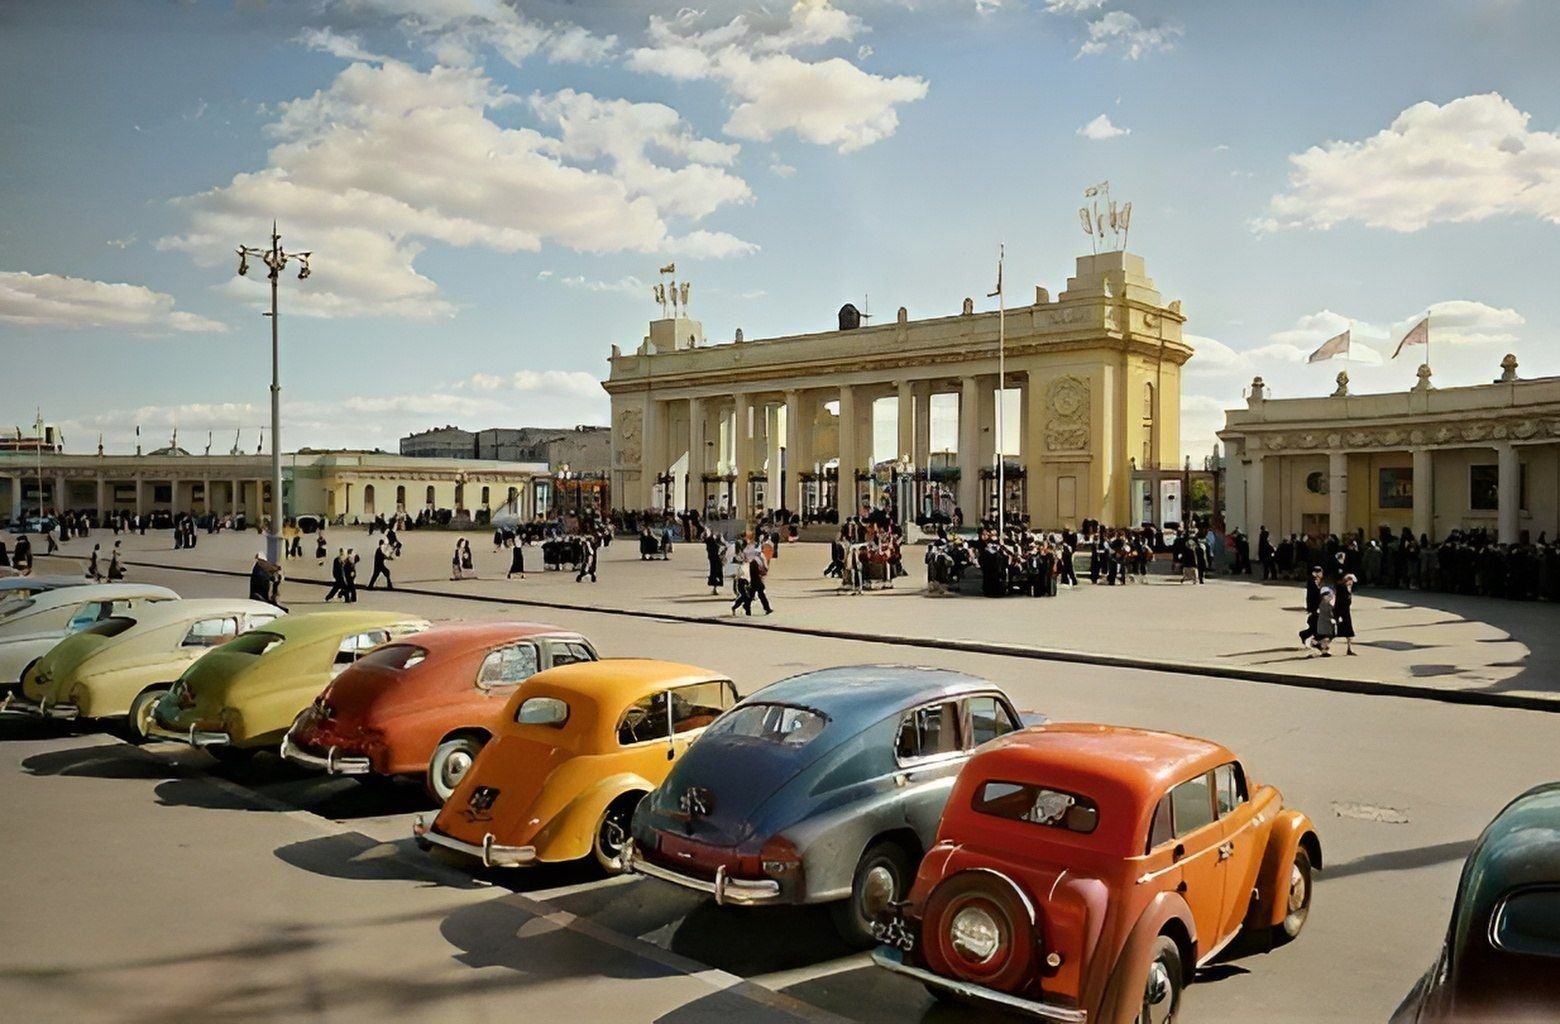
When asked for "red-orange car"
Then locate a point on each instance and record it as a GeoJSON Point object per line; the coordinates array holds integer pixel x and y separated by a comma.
{"type": "Point", "coordinates": [426, 705]}
{"type": "Point", "coordinates": [1083, 872]}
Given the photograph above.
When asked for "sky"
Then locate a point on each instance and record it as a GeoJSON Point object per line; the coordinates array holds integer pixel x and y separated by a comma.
{"type": "Point", "coordinates": [488, 189]}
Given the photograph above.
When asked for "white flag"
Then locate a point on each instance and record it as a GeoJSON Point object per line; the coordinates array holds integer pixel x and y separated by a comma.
{"type": "Point", "coordinates": [1419, 334]}
{"type": "Point", "coordinates": [1337, 345]}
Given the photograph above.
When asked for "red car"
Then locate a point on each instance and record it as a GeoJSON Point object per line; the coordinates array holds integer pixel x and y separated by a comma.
{"type": "Point", "coordinates": [1083, 873]}
{"type": "Point", "coordinates": [426, 705]}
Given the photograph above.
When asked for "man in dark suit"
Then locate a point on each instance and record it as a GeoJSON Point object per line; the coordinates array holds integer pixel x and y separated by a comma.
{"type": "Point", "coordinates": [349, 564]}
{"type": "Point", "coordinates": [381, 567]}
{"type": "Point", "coordinates": [1313, 604]}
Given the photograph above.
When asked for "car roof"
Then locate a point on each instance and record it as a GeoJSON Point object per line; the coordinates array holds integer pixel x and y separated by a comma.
{"type": "Point", "coordinates": [1123, 770]}
{"type": "Point", "coordinates": [1521, 846]}
{"type": "Point", "coordinates": [861, 695]}
{"type": "Point", "coordinates": [40, 583]}
{"type": "Point", "coordinates": [311, 626]}
{"type": "Point", "coordinates": [162, 613]}
{"type": "Point", "coordinates": [454, 637]}
{"type": "Point", "coordinates": [616, 681]}
{"type": "Point", "coordinates": [101, 592]}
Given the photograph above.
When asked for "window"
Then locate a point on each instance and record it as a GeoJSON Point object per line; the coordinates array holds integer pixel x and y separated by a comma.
{"type": "Point", "coordinates": [1527, 922]}
{"type": "Point", "coordinates": [395, 656]}
{"type": "Point", "coordinates": [1038, 806]}
{"type": "Point", "coordinates": [429, 502]}
{"type": "Point", "coordinates": [568, 652]}
{"type": "Point", "coordinates": [694, 707]}
{"type": "Point", "coordinates": [1484, 488]}
{"type": "Point", "coordinates": [644, 720]}
{"type": "Point", "coordinates": [1229, 785]}
{"type": "Point", "coordinates": [543, 711]}
{"type": "Point", "coordinates": [1193, 805]}
{"type": "Point", "coordinates": [989, 718]}
{"type": "Point", "coordinates": [928, 732]}
{"type": "Point", "coordinates": [110, 626]}
{"type": "Point", "coordinates": [508, 666]}
{"type": "Point", "coordinates": [1161, 830]}
{"type": "Point", "coordinates": [368, 499]}
{"type": "Point", "coordinates": [484, 497]}
{"type": "Point", "coordinates": [211, 632]}
{"type": "Point", "coordinates": [86, 615]}
{"type": "Point", "coordinates": [400, 498]}
{"type": "Point", "coordinates": [1148, 401]}
{"type": "Point", "coordinates": [358, 644]}
{"type": "Point", "coordinates": [773, 723]}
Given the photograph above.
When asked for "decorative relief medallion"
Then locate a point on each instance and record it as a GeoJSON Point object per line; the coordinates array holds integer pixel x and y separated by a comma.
{"type": "Point", "coordinates": [626, 437]}
{"type": "Point", "coordinates": [1067, 428]}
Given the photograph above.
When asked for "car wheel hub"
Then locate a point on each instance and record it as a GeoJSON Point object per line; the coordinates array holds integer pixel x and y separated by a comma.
{"type": "Point", "coordinates": [613, 835]}
{"type": "Point", "coordinates": [455, 768]}
{"type": "Point", "coordinates": [1296, 889]}
{"type": "Point", "coordinates": [877, 890]}
{"type": "Point", "coordinates": [974, 935]}
{"type": "Point", "coordinates": [1158, 995]}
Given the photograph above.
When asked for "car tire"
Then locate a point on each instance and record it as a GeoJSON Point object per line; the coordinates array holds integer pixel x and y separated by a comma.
{"type": "Point", "coordinates": [883, 876]}
{"type": "Point", "coordinates": [1297, 899]}
{"type": "Point", "coordinates": [1162, 984]}
{"type": "Point", "coordinates": [449, 764]}
{"type": "Point", "coordinates": [140, 714]}
{"type": "Point", "coordinates": [1011, 964]}
{"type": "Point", "coordinates": [612, 833]}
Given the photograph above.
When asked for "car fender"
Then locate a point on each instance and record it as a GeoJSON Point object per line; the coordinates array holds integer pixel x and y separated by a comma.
{"type": "Point", "coordinates": [1122, 999]}
{"type": "Point", "coordinates": [1290, 827]}
{"type": "Point", "coordinates": [572, 831]}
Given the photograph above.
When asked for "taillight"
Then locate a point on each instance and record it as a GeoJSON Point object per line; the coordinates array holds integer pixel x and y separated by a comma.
{"type": "Point", "coordinates": [779, 857]}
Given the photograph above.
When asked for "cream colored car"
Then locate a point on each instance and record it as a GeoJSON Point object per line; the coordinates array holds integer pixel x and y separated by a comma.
{"type": "Point", "coordinates": [119, 666]}
{"type": "Point", "coordinates": [31, 627]}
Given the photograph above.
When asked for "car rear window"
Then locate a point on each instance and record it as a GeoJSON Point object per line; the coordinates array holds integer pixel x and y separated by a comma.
{"type": "Point", "coordinates": [256, 643]}
{"type": "Point", "coordinates": [395, 656]}
{"type": "Point", "coordinates": [1037, 805]}
{"type": "Point", "coordinates": [1528, 923]}
{"type": "Point", "coordinates": [772, 723]}
{"type": "Point", "coordinates": [110, 627]}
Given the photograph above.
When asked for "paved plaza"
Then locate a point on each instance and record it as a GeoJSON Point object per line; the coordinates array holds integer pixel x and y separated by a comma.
{"type": "Point", "coordinates": [152, 885]}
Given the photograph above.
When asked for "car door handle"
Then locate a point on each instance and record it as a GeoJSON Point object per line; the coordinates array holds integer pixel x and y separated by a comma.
{"type": "Point", "coordinates": [1226, 851]}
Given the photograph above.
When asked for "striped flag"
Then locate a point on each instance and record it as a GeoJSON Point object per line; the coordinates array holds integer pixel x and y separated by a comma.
{"type": "Point", "coordinates": [1419, 334]}
{"type": "Point", "coordinates": [1334, 346]}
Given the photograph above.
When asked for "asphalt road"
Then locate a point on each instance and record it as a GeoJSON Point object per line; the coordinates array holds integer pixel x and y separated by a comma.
{"type": "Point", "coordinates": [151, 885]}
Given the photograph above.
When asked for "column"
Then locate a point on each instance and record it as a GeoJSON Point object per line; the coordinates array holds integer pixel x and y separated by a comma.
{"type": "Point", "coordinates": [138, 509]}
{"type": "Point", "coordinates": [742, 454]}
{"type": "Point", "coordinates": [1040, 490]}
{"type": "Point", "coordinates": [60, 496]}
{"type": "Point", "coordinates": [773, 442]}
{"type": "Point", "coordinates": [1424, 493]}
{"type": "Point", "coordinates": [102, 509]}
{"type": "Point", "coordinates": [1509, 492]}
{"type": "Point", "coordinates": [1337, 492]}
{"type": "Point", "coordinates": [16, 498]}
{"type": "Point", "coordinates": [969, 450]}
{"type": "Point", "coordinates": [846, 499]}
{"type": "Point", "coordinates": [796, 461]}
{"type": "Point", "coordinates": [694, 498]}
{"type": "Point", "coordinates": [921, 451]}
{"type": "Point", "coordinates": [209, 507]}
{"type": "Point", "coordinates": [906, 421]}
{"type": "Point", "coordinates": [1256, 495]}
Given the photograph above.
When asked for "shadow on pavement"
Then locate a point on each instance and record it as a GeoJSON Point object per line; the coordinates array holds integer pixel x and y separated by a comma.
{"type": "Point", "coordinates": [105, 761]}
{"type": "Point", "coordinates": [500, 934]}
{"type": "Point", "coordinates": [1399, 860]}
{"type": "Point", "coordinates": [875, 996]}
{"type": "Point", "coordinates": [356, 857]}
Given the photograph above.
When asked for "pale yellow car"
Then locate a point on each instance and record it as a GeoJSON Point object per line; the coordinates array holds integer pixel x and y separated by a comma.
{"type": "Point", "coordinates": [118, 667]}
{"type": "Point", "coordinates": [32, 626]}
{"type": "Point", "coordinates": [242, 697]}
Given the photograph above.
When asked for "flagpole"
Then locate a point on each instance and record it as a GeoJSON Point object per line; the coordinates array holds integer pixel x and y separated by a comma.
{"type": "Point", "coordinates": [38, 425]}
{"type": "Point", "coordinates": [1001, 387]}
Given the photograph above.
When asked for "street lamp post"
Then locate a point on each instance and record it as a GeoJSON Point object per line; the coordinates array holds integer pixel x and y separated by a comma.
{"type": "Point", "coordinates": [275, 260]}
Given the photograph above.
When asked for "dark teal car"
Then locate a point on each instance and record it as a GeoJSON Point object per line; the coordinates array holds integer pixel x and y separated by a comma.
{"type": "Point", "coordinates": [1500, 960]}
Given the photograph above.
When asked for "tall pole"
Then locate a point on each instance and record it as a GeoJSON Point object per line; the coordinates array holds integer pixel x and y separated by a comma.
{"type": "Point", "coordinates": [273, 540]}
{"type": "Point", "coordinates": [1001, 387]}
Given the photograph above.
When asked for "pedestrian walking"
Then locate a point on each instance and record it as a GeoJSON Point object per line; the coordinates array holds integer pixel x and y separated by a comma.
{"type": "Point", "coordinates": [349, 566]}
{"type": "Point", "coordinates": [587, 559]}
{"type": "Point", "coordinates": [739, 582]}
{"type": "Point", "coordinates": [339, 585]}
{"type": "Point", "coordinates": [516, 561]}
{"type": "Point", "coordinates": [21, 555]}
{"type": "Point", "coordinates": [53, 544]}
{"type": "Point", "coordinates": [757, 566]}
{"type": "Point", "coordinates": [381, 568]}
{"type": "Point", "coordinates": [320, 550]}
{"type": "Point", "coordinates": [715, 551]}
{"type": "Point", "coordinates": [1326, 623]}
{"type": "Point", "coordinates": [260, 580]}
{"type": "Point", "coordinates": [1313, 602]}
{"type": "Point", "coordinates": [1343, 613]}
{"type": "Point", "coordinates": [116, 568]}
{"type": "Point", "coordinates": [93, 572]}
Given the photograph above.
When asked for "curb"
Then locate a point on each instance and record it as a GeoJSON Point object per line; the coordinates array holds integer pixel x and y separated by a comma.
{"type": "Point", "coordinates": [1362, 687]}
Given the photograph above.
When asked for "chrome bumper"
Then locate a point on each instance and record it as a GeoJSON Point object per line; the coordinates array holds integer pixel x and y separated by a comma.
{"type": "Point", "coordinates": [18, 706]}
{"type": "Point", "coordinates": [737, 891]}
{"type": "Point", "coordinates": [329, 763]}
{"type": "Point", "coordinates": [893, 960]}
{"type": "Point", "coordinates": [195, 737]}
{"type": "Point", "coordinates": [491, 855]}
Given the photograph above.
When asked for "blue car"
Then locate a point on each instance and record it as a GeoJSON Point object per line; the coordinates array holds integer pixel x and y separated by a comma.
{"type": "Point", "coordinates": [823, 788]}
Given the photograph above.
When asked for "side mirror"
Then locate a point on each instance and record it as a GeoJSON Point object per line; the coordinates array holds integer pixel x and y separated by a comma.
{"type": "Point", "coordinates": [1180, 851]}
{"type": "Point", "coordinates": [671, 753]}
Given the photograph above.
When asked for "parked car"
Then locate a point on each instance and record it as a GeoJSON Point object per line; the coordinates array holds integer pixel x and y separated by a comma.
{"type": "Point", "coordinates": [120, 666]}
{"type": "Point", "coordinates": [35, 524]}
{"type": "Point", "coordinates": [1083, 872]}
{"type": "Point", "coordinates": [15, 590]}
{"type": "Point", "coordinates": [243, 696]}
{"type": "Point", "coordinates": [427, 705]}
{"type": "Point", "coordinates": [1500, 960]}
{"type": "Point", "coordinates": [822, 788]}
{"type": "Point", "coordinates": [578, 748]}
{"type": "Point", "coordinates": [29, 629]}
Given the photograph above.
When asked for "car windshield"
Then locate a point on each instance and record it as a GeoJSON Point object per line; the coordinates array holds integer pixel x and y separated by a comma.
{"type": "Point", "coordinates": [110, 627]}
{"type": "Point", "coordinates": [395, 656]}
{"type": "Point", "coordinates": [774, 723]}
{"type": "Point", "coordinates": [256, 643]}
{"type": "Point", "coordinates": [1037, 805]}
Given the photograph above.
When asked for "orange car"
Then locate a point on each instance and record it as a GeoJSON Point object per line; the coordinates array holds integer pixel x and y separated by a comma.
{"type": "Point", "coordinates": [427, 704]}
{"type": "Point", "coordinates": [1083, 872]}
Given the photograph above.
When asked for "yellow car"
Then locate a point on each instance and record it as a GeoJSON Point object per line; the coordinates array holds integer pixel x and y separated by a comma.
{"type": "Point", "coordinates": [576, 750]}
{"type": "Point", "coordinates": [243, 696]}
{"type": "Point", "coordinates": [120, 666]}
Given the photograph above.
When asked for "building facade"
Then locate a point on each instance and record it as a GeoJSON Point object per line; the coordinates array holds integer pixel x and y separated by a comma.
{"type": "Point", "coordinates": [788, 422]}
{"type": "Point", "coordinates": [1429, 459]}
{"type": "Point", "coordinates": [347, 484]}
{"type": "Point", "coordinates": [585, 448]}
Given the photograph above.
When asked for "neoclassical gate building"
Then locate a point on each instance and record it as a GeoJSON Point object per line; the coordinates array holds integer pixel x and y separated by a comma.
{"type": "Point", "coordinates": [788, 422]}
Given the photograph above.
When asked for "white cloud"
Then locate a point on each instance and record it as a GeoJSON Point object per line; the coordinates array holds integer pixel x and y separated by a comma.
{"type": "Point", "coordinates": [710, 245]}
{"type": "Point", "coordinates": [574, 45]}
{"type": "Point", "coordinates": [1465, 322]}
{"type": "Point", "coordinates": [1468, 160]}
{"type": "Point", "coordinates": [1124, 33]}
{"type": "Point", "coordinates": [1072, 6]}
{"type": "Point", "coordinates": [456, 31]}
{"type": "Point", "coordinates": [782, 170]}
{"type": "Point", "coordinates": [54, 300]}
{"type": "Point", "coordinates": [864, 51]}
{"type": "Point", "coordinates": [486, 381]}
{"type": "Point", "coordinates": [560, 383]}
{"type": "Point", "coordinates": [829, 102]}
{"type": "Point", "coordinates": [337, 44]}
{"type": "Point", "coordinates": [1101, 128]}
{"type": "Point", "coordinates": [389, 157]}
{"type": "Point", "coordinates": [628, 285]}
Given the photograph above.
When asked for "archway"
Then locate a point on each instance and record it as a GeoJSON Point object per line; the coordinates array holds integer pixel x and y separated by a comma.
{"type": "Point", "coordinates": [368, 499]}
